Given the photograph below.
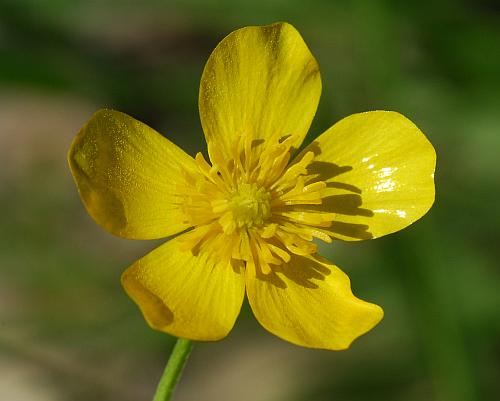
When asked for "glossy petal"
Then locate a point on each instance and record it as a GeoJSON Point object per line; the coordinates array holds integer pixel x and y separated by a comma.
{"type": "Point", "coordinates": [184, 294]}
{"type": "Point", "coordinates": [310, 303]}
{"type": "Point", "coordinates": [128, 176]}
{"type": "Point", "coordinates": [379, 168]}
{"type": "Point", "coordinates": [259, 81]}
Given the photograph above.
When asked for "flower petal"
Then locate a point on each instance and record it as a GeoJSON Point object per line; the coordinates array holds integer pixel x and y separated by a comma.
{"type": "Point", "coordinates": [186, 294]}
{"type": "Point", "coordinates": [379, 169]}
{"type": "Point", "coordinates": [128, 176]}
{"type": "Point", "coordinates": [309, 303]}
{"type": "Point", "coordinates": [260, 81]}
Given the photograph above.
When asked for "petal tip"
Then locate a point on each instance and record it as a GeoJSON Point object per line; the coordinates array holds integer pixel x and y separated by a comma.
{"type": "Point", "coordinates": [373, 316]}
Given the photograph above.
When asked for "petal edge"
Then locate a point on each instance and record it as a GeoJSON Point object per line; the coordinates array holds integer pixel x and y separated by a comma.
{"type": "Point", "coordinates": [127, 176]}
{"type": "Point", "coordinates": [379, 169]}
{"type": "Point", "coordinates": [310, 303]}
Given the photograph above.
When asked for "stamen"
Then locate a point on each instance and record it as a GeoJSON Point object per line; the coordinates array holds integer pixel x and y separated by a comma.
{"type": "Point", "coordinates": [252, 207]}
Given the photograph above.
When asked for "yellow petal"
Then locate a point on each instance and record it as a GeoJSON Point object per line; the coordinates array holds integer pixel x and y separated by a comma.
{"type": "Point", "coordinates": [379, 168]}
{"type": "Point", "coordinates": [128, 176]}
{"type": "Point", "coordinates": [310, 303]}
{"type": "Point", "coordinates": [186, 295]}
{"type": "Point", "coordinates": [260, 81]}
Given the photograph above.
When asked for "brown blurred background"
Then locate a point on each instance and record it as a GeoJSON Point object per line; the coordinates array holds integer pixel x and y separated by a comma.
{"type": "Point", "coordinates": [68, 331]}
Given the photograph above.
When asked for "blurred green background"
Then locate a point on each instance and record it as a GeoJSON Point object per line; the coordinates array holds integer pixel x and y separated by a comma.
{"type": "Point", "coordinates": [68, 331]}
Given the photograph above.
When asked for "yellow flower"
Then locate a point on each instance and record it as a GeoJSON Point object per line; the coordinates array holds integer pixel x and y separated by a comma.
{"type": "Point", "coordinates": [247, 220]}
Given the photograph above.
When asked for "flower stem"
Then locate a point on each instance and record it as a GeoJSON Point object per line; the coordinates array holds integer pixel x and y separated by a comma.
{"type": "Point", "coordinates": [173, 370]}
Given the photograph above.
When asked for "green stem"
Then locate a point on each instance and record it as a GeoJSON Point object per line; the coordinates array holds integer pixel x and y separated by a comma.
{"type": "Point", "coordinates": [173, 370]}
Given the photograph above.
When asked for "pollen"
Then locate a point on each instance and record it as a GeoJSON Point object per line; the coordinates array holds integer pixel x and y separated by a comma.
{"type": "Point", "coordinates": [250, 205]}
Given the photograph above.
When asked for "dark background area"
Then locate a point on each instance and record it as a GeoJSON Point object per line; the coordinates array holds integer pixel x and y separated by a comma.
{"type": "Point", "coordinates": [67, 329]}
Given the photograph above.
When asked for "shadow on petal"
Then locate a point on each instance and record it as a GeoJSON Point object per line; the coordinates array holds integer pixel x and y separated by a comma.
{"type": "Point", "coordinates": [358, 231]}
{"type": "Point", "coordinates": [349, 204]}
{"type": "Point", "coordinates": [326, 171]}
{"type": "Point", "coordinates": [304, 271]}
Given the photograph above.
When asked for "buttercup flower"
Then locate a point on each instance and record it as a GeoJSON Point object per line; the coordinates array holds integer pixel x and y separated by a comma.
{"type": "Point", "coordinates": [246, 220]}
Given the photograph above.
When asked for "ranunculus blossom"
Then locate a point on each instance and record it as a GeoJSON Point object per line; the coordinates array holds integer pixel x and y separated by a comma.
{"type": "Point", "coordinates": [246, 220]}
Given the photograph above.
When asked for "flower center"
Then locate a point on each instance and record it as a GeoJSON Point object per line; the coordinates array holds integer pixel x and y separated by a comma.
{"type": "Point", "coordinates": [253, 205]}
{"type": "Point", "coordinates": [250, 205]}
